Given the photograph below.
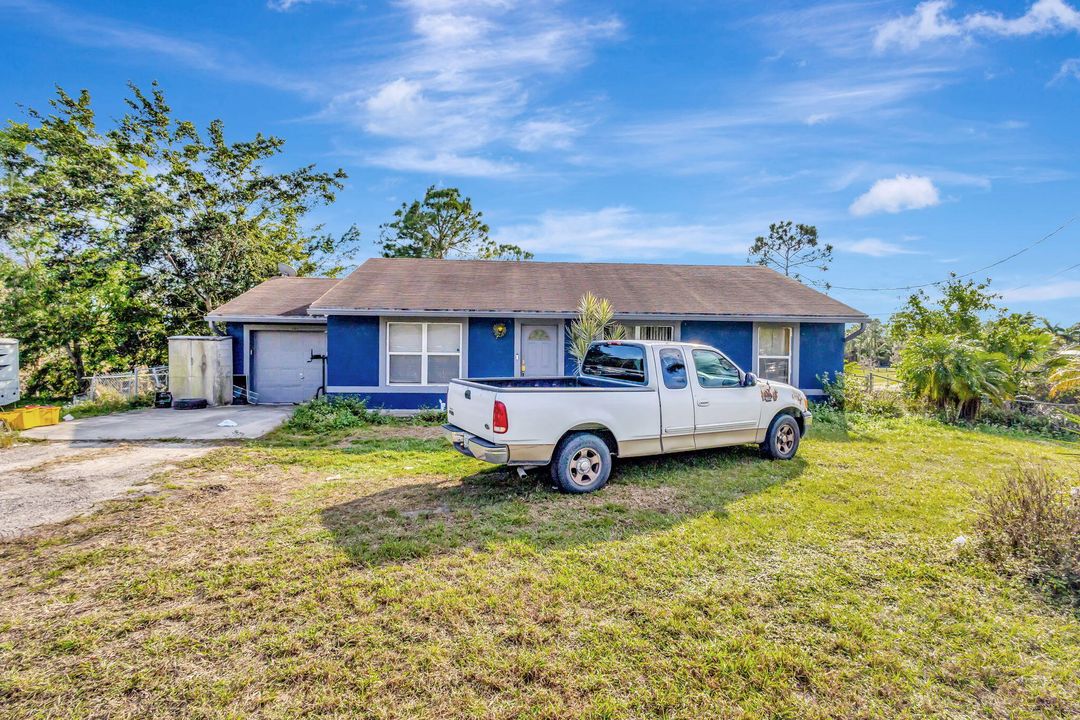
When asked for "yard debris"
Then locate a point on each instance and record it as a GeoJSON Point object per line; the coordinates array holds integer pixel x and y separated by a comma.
{"type": "Point", "coordinates": [69, 417]}
{"type": "Point", "coordinates": [960, 542]}
{"type": "Point", "coordinates": [226, 423]}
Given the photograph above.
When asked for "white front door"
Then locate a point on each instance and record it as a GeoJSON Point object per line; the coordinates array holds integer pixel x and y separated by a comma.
{"type": "Point", "coordinates": [539, 350]}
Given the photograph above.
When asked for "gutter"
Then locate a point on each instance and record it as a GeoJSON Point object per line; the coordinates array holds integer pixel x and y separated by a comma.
{"type": "Point", "coordinates": [397, 312]}
{"type": "Point", "coordinates": [856, 333]}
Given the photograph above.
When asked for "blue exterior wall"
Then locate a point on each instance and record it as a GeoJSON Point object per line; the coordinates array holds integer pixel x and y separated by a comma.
{"type": "Point", "coordinates": [236, 332]}
{"type": "Point", "coordinates": [821, 350]}
{"type": "Point", "coordinates": [734, 339]}
{"type": "Point", "coordinates": [490, 356]}
{"type": "Point", "coordinates": [352, 347]}
{"type": "Point", "coordinates": [400, 400]}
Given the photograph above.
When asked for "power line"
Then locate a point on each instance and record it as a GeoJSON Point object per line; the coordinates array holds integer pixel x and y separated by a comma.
{"type": "Point", "coordinates": [1048, 277]}
{"type": "Point", "coordinates": [1018, 253]}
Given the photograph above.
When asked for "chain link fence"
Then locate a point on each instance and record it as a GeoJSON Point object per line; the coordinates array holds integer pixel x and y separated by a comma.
{"type": "Point", "coordinates": [126, 386]}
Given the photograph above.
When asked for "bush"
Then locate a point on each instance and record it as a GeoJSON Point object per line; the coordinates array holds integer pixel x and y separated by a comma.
{"type": "Point", "coordinates": [1053, 426]}
{"type": "Point", "coordinates": [1030, 525]}
{"type": "Point", "coordinates": [321, 415]}
{"type": "Point", "coordinates": [851, 395]}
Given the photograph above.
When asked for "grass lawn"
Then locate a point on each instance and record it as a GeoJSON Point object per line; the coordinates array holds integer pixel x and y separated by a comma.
{"type": "Point", "coordinates": [383, 575]}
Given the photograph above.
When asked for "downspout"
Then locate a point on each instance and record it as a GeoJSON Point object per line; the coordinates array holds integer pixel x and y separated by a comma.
{"type": "Point", "coordinates": [855, 333]}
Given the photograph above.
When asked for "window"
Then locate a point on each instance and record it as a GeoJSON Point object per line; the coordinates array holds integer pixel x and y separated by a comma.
{"type": "Point", "coordinates": [650, 332]}
{"type": "Point", "coordinates": [674, 368]}
{"type": "Point", "coordinates": [715, 371]}
{"type": "Point", "coordinates": [539, 335]}
{"type": "Point", "coordinates": [774, 352]}
{"type": "Point", "coordinates": [423, 353]}
{"type": "Point", "coordinates": [615, 361]}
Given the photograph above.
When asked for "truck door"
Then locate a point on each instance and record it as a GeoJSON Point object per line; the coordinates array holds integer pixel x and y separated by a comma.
{"type": "Point", "coordinates": [725, 412]}
{"type": "Point", "coordinates": [676, 401]}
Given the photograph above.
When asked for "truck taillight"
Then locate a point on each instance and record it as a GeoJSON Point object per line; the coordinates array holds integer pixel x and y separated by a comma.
{"type": "Point", "coordinates": [499, 422]}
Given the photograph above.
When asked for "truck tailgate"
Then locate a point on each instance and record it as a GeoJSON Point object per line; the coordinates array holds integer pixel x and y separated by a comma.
{"type": "Point", "coordinates": [469, 406]}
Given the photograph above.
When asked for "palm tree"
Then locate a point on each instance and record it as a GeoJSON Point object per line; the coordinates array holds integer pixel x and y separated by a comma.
{"type": "Point", "coordinates": [1066, 379]}
{"type": "Point", "coordinates": [595, 321]}
{"type": "Point", "coordinates": [953, 374]}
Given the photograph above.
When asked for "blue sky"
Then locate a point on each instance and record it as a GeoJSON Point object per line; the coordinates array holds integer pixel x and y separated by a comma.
{"type": "Point", "coordinates": [919, 138]}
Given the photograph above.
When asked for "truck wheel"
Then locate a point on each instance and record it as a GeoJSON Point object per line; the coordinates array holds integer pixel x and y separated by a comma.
{"type": "Point", "coordinates": [783, 438]}
{"type": "Point", "coordinates": [582, 463]}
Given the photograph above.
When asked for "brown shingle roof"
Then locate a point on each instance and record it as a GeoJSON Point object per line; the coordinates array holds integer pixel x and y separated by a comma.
{"type": "Point", "coordinates": [276, 298]}
{"type": "Point", "coordinates": [406, 284]}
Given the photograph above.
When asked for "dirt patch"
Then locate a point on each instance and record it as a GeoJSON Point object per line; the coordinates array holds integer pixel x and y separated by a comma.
{"type": "Point", "coordinates": [52, 482]}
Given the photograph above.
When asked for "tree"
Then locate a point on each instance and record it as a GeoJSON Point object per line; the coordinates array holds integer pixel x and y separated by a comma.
{"type": "Point", "coordinates": [790, 248]}
{"type": "Point", "coordinates": [443, 225]}
{"type": "Point", "coordinates": [75, 302]}
{"type": "Point", "coordinates": [211, 222]}
{"type": "Point", "coordinates": [959, 311]}
{"type": "Point", "coordinates": [953, 373]}
{"type": "Point", "coordinates": [112, 240]}
{"type": "Point", "coordinates": [595, 321]}
{"type": "Point", "coordinates": [874, 347]}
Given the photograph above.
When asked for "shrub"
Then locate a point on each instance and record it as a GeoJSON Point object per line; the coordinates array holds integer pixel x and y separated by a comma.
{"type": "Point", "coordinates": [428, 416]}
{"type": "Point", "coordinates": [851, 395]}
{"type": "Point", "coordinates": [1030, 525]}
{"type": "Point", "coordinates": [321, 415]}
{"type": "Point", "coordinates": [1052, 425]}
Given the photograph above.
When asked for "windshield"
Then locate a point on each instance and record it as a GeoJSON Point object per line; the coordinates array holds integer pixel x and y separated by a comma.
{"type": "Point", "coordinates": [615, 361]}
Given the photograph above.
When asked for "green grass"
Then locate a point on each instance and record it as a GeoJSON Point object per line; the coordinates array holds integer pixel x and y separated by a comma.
{"type": "Point", "coordinates": [379, 574]}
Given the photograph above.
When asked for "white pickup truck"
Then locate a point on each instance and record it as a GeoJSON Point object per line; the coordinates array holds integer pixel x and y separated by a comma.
{"type": "Point", "coordinates": [630, 398]}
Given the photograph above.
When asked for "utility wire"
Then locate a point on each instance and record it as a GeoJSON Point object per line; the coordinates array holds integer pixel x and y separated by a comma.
{"type": "Point", "coordinates": [1048, 277]}
{"type": "Point", "coordinates": [1018, 253]}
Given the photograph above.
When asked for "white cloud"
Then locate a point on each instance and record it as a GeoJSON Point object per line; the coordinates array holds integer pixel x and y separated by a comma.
{"type": "Point", "coordinates": [412, 159]}
{"type": "Point", "coordinates": [625, 233]}
{"type": "Point", "coordinates": [286, 5]}
{"type": "Point", "coordinates": [1053, 291]}
{"type": "Point", "coordinates": [462, 85]}
{"type": "Point", "coordinates": [876, 248]}
{"type": "Point", "coordinates": [891, 195]}
{"type": "Point", "coordinates": [930, 22]}
{"type": "Point", "coordinates": [1070, 69]}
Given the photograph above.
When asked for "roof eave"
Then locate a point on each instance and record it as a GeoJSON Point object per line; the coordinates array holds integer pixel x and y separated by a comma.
{"type": "Point", "coordinates": [304, 319]}
{"type": "Point", "coordinates": [740, 317]}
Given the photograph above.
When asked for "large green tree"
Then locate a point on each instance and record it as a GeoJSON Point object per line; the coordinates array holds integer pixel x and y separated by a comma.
{"type": "Point", "coordinates": [443, 225]}
{"type": "Point", "coordinates": [112, 239]}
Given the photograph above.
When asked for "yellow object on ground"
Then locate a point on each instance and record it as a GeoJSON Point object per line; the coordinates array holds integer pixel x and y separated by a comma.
{"type": "Point", "coordinates": [31, 416]}
{"type": "Point", "coordinates": [14, 419]}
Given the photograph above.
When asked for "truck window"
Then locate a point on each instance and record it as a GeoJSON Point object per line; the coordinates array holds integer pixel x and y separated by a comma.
{"type": "Point", "coordinates": [615, 361]}
{"type": "Point", "coordinates": [673, 368]}
{"type": "Point", "coordinates": [714, 370]}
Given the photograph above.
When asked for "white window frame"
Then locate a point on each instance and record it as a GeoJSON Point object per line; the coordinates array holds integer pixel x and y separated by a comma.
{"type": "Point", "coordinates": [638, 328]}
{"type": "Point", "coordinates": [633, 331]}
{"type": "Point", "coordinates": [790, 357]}
{"type": "Point", "coordinates": [423, 353]}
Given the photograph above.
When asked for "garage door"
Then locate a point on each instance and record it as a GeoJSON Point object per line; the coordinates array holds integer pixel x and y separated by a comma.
{"type": "Point", "coordinates": [280, 369]}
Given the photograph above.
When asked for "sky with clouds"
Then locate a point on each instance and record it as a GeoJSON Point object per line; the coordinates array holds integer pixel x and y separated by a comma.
{"type": "Point", "coordinates": [921, 138]}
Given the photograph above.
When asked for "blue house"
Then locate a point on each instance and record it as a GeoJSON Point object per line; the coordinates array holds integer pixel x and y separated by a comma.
{"type": "Point", "coordinates": [397, 330]}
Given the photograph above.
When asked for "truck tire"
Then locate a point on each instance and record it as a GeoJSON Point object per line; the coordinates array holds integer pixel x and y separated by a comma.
{"type": "Point", "coordinates": [782, 440]}
{"type": "Point", "coordinates": [582, 463]}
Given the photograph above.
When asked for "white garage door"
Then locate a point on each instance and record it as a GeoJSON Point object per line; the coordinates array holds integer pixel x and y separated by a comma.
{"type": "Point", "coordinates": [280, 369]}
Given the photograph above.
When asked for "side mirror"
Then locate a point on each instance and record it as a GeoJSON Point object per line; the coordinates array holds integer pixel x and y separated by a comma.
{"type": "Point", "coordinates": [749, 380]}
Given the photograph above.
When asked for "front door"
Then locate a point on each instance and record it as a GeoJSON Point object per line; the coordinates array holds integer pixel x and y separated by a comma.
{"type": "Point", "coordinates": [539, 350]}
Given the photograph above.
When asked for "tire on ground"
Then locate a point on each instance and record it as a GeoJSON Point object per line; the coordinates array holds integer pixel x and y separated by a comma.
{"type": "Point", "coordinates": [581, 464]}
{"type": "Point", "coordinates": [782, 440]}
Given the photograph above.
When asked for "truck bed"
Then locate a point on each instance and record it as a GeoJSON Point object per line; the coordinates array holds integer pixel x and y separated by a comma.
{"type": "Point", "coordinates": [567, 382]}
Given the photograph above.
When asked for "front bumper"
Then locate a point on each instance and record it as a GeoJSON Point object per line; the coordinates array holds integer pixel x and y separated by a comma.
{"type": "Point", "coordinates": [476, 447]}
{"type": "Point", "coordinates": [807, 420]}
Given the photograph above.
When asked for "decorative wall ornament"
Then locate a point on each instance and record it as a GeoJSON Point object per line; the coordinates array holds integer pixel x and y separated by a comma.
{"type": "Point", "coordinates": [498, 330]}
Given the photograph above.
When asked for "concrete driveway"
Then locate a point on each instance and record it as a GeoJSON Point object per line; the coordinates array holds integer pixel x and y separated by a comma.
{"type": "Point", "coordinates": [252, 421]}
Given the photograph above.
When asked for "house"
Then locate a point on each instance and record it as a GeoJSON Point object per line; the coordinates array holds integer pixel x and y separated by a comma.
{"type": "Point", "coordinates": [397, 330]}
